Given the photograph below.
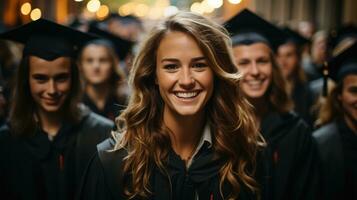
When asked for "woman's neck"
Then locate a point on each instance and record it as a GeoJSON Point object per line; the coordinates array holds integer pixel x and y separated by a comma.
{"type": "Point", "coordinates": [50, 122]}
{"type": "Point", "coordinates": [186, 132]}
{"type": "Point", "coordinates": [98, 94]}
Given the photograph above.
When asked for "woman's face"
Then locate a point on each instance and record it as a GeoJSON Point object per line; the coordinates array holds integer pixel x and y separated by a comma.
{"type": "Point", "coordinates": [254, 62]}
{"type": "Point", "coordinates": [348, 96]}
{"type": "Point", "coordinates": [50, 82]}
{"type": "Point", "coordinates": [96, 64]}
{"type": "Point", "coordinates": [183, 76]}
{"type": "Point", "coordinates": [288, 59]}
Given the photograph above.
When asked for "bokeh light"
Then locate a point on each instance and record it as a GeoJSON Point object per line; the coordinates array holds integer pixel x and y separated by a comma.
{"type": "Point", "coordinates": [215, 3]}
{"type": "Point", "coordinates": [196, 8]}
{"type": "Point", "coordinates": [234, 1]}
{"type": "Point", "coordinates": [102, 12]}
{"type": "Point", "coordinates": [93, 5]}
{"type": "Point", "coordinates": [170, 10]}
{"type": "Point", "coordinates": [35, 14]}
{"type": "Point", "coordinates": [141, 10]}
{"type": "Point", "coordinates": [26, 8]}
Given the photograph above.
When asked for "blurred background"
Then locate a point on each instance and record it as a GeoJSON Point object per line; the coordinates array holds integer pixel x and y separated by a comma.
{"type": "Point", "coordinates": [322, 14]}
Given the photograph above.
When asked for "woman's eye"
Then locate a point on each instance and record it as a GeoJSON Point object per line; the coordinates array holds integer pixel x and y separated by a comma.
{"type": "Point", "coordinates": [40, 79]}
{"type": "Point", "coordinates": [263, 61]}
{"type": "Point", "coordinates": [170, 66]}
{"type": "Point", "coordinates": [200, 65]}
{"type": "Point", "coordinates": [62, 78]}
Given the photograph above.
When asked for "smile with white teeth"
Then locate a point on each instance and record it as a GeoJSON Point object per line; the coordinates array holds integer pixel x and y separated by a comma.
{"type": "Point", "coordinates": [186, 94]}
{"type": "Point", "coordinates": [254, 82]}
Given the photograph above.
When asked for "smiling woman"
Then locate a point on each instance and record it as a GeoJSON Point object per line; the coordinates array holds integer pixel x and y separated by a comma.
{"type": "Point", "coordinates": [187, 132]}
{"type": "Point", "coordinates": [290, 146]}
{"type": "Point", "coordinates": [50, 136]}
{"type": "Point", "coordinates": [50, 82]}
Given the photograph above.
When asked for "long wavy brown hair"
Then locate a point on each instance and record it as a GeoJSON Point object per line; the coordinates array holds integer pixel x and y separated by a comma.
{"type": "Point", "coordinates": [140, 126]}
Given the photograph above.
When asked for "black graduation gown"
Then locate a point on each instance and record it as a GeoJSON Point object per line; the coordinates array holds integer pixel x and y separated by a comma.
{"type": "Point", "coordinates": [303, 101]}
{"type": "Point", "coordinates": [337, 145]}
{"type": "Point", "coordinates": [287, 166]}
{"type": "Point", "coordinates": [104, 180]}
{"type": "Point", "coordinates": [39, 169]}
{"type": "Point", "coordinates": [111, 108]}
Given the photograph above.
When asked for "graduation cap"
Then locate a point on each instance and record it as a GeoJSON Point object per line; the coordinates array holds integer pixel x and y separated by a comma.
{"type": "Point", "coordinates": [343, 64]}
{"type": "Point", "coordinates": [247, 28]}
{"type": "Point", "coordinates": [48, 40]}
{"type": "Point", "coordinates": [340, 66]}
{"type": "Point", "coordinates": [337, 36]}
{"type": "Point", "coordinates": [295, 37]}
{"type": "Point", "coordinates": [122, 46]}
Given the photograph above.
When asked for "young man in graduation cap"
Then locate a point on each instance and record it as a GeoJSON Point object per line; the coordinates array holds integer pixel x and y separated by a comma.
{"type": "Point", "coordinates": [50, 137]}
{"type": "Point", "coordinates": [105, 85]}
{"type": "Point", "coordinates": [286, 166]}
{"type": "Point", "coordinates": [289, 55]}
{"type": "Point", "coordinates": [337, 138]}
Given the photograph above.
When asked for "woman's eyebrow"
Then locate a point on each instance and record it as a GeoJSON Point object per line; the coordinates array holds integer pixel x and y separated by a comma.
{"type": "Point", "coordinates": [199, 58]}
{"type": "Point", "coordinates": [169, 60]}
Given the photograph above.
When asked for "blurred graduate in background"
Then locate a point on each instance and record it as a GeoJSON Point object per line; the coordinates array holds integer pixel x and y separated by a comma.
{"type": "Point", "coordinates": [50, 137]}
{"type": "Point", "coordinates": [286, 168]}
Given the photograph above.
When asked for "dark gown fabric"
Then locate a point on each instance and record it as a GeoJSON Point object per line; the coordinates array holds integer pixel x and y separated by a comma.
{"type": "Point", "coordinates": [36, 168]}
{"type": "Point", "coordinates": [312, 71]}
{"type": "Point", "coordinates": [287, 166]}
{"type": "Point", "coordinates": [337, 146]}
{"type": "Point", "coordinates": [104, 180]}
{"type": "Point", "coordinates": [303, 99]}
{"type": "Point", "coordinates": [111, 108]}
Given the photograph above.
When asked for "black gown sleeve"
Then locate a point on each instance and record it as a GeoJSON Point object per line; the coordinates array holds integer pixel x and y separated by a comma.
{"type": "Point", "coordinates": [93, 184]}
{"type": "Point", "coordinates": [305, 173]}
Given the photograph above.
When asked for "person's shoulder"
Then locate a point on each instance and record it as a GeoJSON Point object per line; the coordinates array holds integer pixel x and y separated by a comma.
{"type": "Point", "coordinates": [107, 150]}
{"type": "Point", "coordinates": [96, 119]}
{"type": "Point", "coordinates": [325, 132]}
{"type": "Point", "coordinates": [5, 132]}
{"type": "Point", "coordinates": [91, 119]}
{"type": "Point", "coordinates": [292, 119]}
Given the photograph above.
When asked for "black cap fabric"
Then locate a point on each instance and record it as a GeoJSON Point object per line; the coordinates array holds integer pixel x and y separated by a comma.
{"type": "Point", "coordinates": [295, 37]}
{"type": "Point", "coordinates": [247, 25]}
{"type": "Point", "coordinates": [47, 39]}
{"type": "Point", "coordinates": [343, 64]}
{"type": "Point", "coordinates": [122, 46]}
{"type": "Point", "coordinates": [347, 31]}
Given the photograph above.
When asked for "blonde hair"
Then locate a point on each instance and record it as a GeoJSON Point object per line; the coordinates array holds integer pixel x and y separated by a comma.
{"type": "Point", "coordinates": [330, 107]}
{"type": "Point", "coordinates": [140, 126]}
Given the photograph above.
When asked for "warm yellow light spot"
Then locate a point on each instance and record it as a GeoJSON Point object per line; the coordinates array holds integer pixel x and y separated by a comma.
{"type": "Point", "coordinates": [35, 14]}
{"type": "Point", "coordinates": [196, 8]}
{"type": "Point", "coordinates": [141, 10]}
{"type": "Point", "coordinates": [206, 8]}
{"type": "Point", "coordinates": [103, 12]}
{"type": "Point", "coordinates": [26, 8]}
{"type": "Point", "coordinates": [78, 0]}
{"type": "Point", "coordinates": [127, 9]}
{"type": "Point", "coordinates": [155, 13]}
{"type": "Point", "coordinates": [215, 3]}
{"type": "Point", "coordinates": [234, 1]}
{"type": "Point", "coordinates": [170, 10]}
{"type": "Point", "coordinates": [93, 5]}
